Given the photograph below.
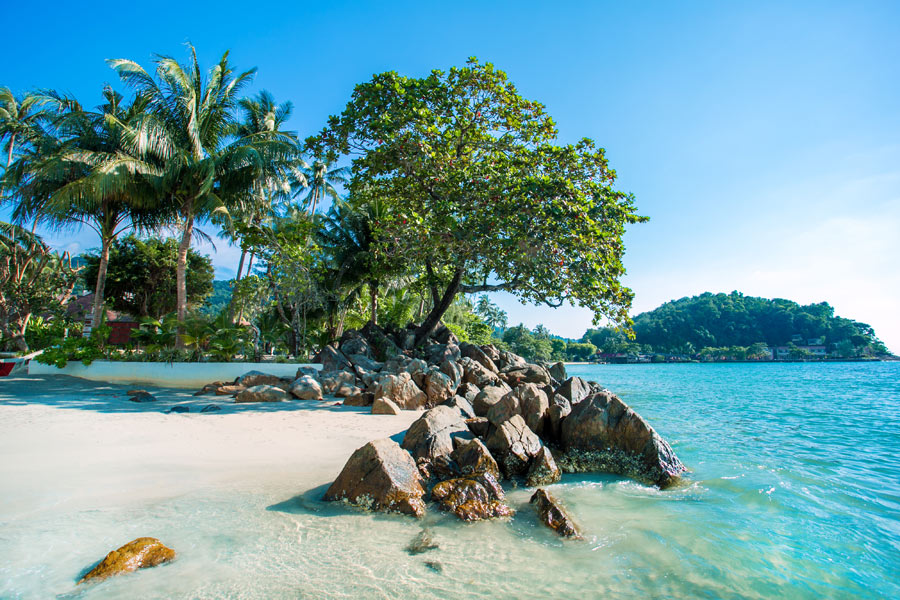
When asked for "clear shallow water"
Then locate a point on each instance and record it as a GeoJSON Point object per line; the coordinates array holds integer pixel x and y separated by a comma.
{"type": "Point", "coordinates": [794, 493]}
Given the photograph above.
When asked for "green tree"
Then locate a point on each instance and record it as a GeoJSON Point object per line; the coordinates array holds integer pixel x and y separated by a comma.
{"type": "Point", "coordinates": [320, 178]}
{"type": "Point", "coordinates": [187, 134]}
{"type": "Point", "coordinates": [21, 119]}
{"type": "Point", "coordinates": [483, 196]}
{"type": "Point", "coordinates": [141, 276]}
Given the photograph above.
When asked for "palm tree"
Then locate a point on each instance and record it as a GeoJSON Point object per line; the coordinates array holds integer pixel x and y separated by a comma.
{"type": "Point", "coordinates": [20, 117]}
{"type": "Point", "coordinates": [86, 174]}
{"type": "Point", "coordinates": [189, 131]}
{"type": "Point", "coordinates": [320, 178]}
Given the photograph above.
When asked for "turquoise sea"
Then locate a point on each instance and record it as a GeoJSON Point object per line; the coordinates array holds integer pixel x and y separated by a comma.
{"type": "Point", "coordinates": [794, 492]}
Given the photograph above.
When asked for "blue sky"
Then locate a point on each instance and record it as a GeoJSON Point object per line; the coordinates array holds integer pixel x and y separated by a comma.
{"type": "Point", "coordinates": [762, 139]}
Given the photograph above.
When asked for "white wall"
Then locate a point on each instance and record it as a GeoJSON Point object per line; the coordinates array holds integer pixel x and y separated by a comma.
{"type": "Point", "coordinates": [177, 375]}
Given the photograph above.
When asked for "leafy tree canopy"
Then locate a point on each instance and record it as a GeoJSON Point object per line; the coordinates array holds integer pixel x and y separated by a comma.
{"type": "Point", "coordinates": [141, 276]}
{"type": "Point", "coordinates": [482, 195]}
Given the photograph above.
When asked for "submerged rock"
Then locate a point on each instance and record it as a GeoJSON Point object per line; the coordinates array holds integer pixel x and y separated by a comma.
{"type": "Point", "coordinates": [178, 409]}
{"type": "Point", "coordinates": [472, 498]}
{"type": "Point", "coordinates": [380, 476]}
{"type": "Point", "coordinates": [211, 408]}
{"type": "Point", "coordinates": [142, 396]}
{"type": "Point", "coordinates": [603, 434]}
{"type": "Point", "coordinates": [137, 554]}
{"type": "Point", "coordinates": [423, 542]}
{"type": "Point", "coordinates": [553, 515]}
{"type": "Point", "coordinates": [542, 470]}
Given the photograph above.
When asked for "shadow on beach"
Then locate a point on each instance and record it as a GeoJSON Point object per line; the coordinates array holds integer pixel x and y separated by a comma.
{"type": "Point", "coordinates": [64, 391]}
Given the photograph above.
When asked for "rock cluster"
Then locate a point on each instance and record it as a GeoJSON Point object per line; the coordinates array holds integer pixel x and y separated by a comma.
{"type": "Point", "coordinates": [488, 414]}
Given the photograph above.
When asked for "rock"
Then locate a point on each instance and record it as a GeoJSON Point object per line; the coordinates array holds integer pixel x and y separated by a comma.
{"type": "Point", "coordinates": [382, 347]}
{"type": "Point", "coordinates": [209, 388]}
{"type": "Point", "coordinates": [508, 360]}
{"type": "Point", "coordinates": [402, 390]}
{"type": "Point", "coordinates": [472, 498]}
{"type": "Point", "coordinates": [574, 389]}
{"type": "Point", "coordinates": [211, 408]}
{"type": "Point", "coordinates": [142, 396]}
{"type": "Point", "coordinates": [475, 373]}
{"type": "Point", "coordinates": [478, 355]}
{"type": "Point", "coordinates": [352, 342]}
{"type": "Point", "coordinates": [438, 387]}
{"type": "Point", "coordinates": [332, 380]}
{"type": "Point", "coordinates": [385, 406]}
{"type": "Point", "coordinates": [423, 542]}
{"type": "Point", "coordinates": [443, 335]}
{"type": "Point", "coordinates": [345, 390]}
{"type": "Point", "coordinates": [306, 387]}
{"type": "Point", "coordinates": [254, 378]}
{"type": "Point", "coordinates": [559, 410]}
{"type": "Point", "coordinates": [462, 405]}
{"type": "Point", "coordinates": [432, 434]}
{"type": "Point", "coordinates": [332, 359]}
{"type": "Point", "coordinates": [368, 378]}
{"type": "Point", "coordinates": [513, 445]}
{"type": "Point", "coordinates": [603, 434]}
{"type": "Point", "coordinates": [360, 360]}
{"type": "Point", "coordinates": [360, 398]}
{"type": "Point", "coordinates": [137, 554]}
{"type": "Point", "coordinates": [528, 373]}
{"type": "Point", "coordinates": [487, 398]}
{"type": "Point", "coordinates": [437, 354]}
{"type": "Point", "coordinates": [552, 514]}
{"type": "Point", "coordinates": [474, 457]}
{"type": "Point", "coordinates": [380, 476]}
{"type": "Point", "coordinates": [479, 426]}
{"type": "Point", "coordinates": [491, 352]}
{"type": "Point", "coordinates": [311, 371]}
{"type": "Point", "coordinates": [557, 371]}
{"type": "Point", "coordinates": [542, 470]}
{"type": "Point", "coordinates": [178, 409]}
{"type": "Point", "coordinates": [262, 393]}
{"type": "Point", "coordinates": [504, 409]}
{"type": "Point", "coordinates": [533, 405]}
{"type": "Point", "coordinates": [468, 391]}
{"type": "Point", "coordinates": [229, 390]}
{"type": "Point", "coordinates": [452, 369]}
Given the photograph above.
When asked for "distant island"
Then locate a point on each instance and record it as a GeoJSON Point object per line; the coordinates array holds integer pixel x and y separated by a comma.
{"type": "Point", "coordinates": [714, 328]}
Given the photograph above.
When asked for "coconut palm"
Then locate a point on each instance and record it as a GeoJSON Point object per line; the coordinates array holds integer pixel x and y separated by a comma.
{"type": "Point", "coordinates": [189, 133]}
{"type": "Point", "coordinates": [87, 173]}
{"type": "Point", "coordinates": [320, 179]}
{"type": "Point", "coordinates": [20, 119]}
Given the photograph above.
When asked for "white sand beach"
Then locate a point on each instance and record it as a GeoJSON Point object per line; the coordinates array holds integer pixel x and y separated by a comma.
{"type": "Point", "coordinates": [68, 443]}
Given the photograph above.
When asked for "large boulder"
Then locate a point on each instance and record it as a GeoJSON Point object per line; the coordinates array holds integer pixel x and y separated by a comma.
{"type": "Point", "coordinates": [359, 399]}
{"type": "Point", "coordinates": [557, 371]}
{"type": "Point", "coordinates": [262, 393]}
{"type": "Point", "coordinates": [332, 359]}
{"type": "Point", "coordinates": [508, 360]}
{"type": "Point", "coordinates": [438, 387]}
{"type": "Point", "coordinates": [364, 362]}
{"type": "Point", "coordinates": [452, 369]}
{"type": "Point", "coordinates": [306, 388]}
{"type": "Point", "coordinates": [528, 373]}
{"type": "Point", "coordinates": [487, 398]}
{"type": "Point", "coordinates": [436, 354]}
{"type": "Point", "coordinates": [603, 434]}
{"type": "Point", "coordinates": [472, 498]}
{"type": "Point", "coordinates": [479, 426]}
{"type": "Point", "coordinates": [402, 390]}
{"type": "Point", "coordinates": [469, 392]}
{"type": "Point", "coordinates": [352, 342]}
{"type": "Point", "coordinates": [252, 378]}
{"type": "Point", "coordinates": [478, 355]}
{"type": "Point", "coordinates": [474, 457]}
{"type": "Point", "coordinates": [382, 347]}
{"type": "Point", "coordinates": [462, 405]}
{"type": "Point", "coordinates": [574, 389]}
{"type": "Point", "coordinates": [477, 374]}
{"type": "Point", "coordinates": [503, 410]}
{"type": "Point", "coordinates": [542, 470]}
{"type": "Point", "coordinates": [533, 405]}
{"type": "Point", "coordinates": [513, 445]}
{"type": "Point", "coordinates": [307, 370]}
{"type": "Point", "coordinates": [385, 406]}
{"type": "Point", "coordinates": [332, 380]}
{"type": "Point", "coordinates": [559, 410]}
{"type": "Point", "coordinates": [553, 515]}
{"type": "Point", "coordinates": [137, 554]}
{"type": "Point", "coordinates": [432, 434]}
{"type": "Point", "coordinates": [380, 476]}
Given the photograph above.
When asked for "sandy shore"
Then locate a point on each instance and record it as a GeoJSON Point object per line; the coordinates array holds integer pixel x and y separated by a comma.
{"type": "Point", "coordinates": [68, 443]}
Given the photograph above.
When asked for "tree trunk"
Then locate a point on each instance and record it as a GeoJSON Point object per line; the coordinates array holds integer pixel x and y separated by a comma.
{"type": "Point", "coordinates": [240, 265]}
{"type": "Point", "coordinates": [100, 288]}
{"type": "Point", "coordinates": [18, 336]}
{"type": "Point", "coordinates": [12, 142]}
{"type": "Point", "coordinates": [437, 311]}
{"type": "Point", "coordinates": [373, 291]}
{"type": "Point", "coordinates": [181, 275]}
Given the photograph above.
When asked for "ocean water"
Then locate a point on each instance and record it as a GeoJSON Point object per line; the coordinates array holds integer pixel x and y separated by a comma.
{"type": "Point", "coordinates": [794, 492]}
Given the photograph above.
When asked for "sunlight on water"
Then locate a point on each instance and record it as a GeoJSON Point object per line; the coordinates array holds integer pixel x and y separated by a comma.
{"type": "Point", "coordinates": [793, 493]}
